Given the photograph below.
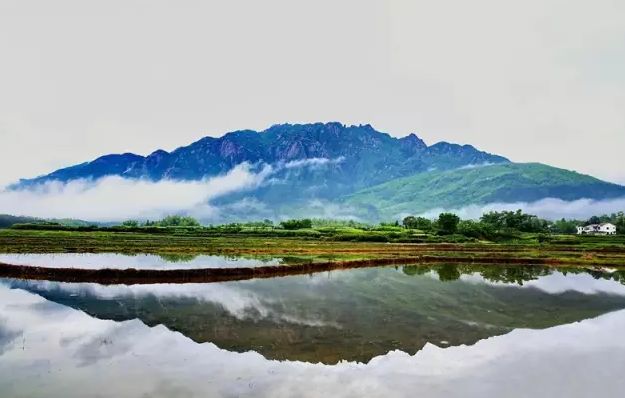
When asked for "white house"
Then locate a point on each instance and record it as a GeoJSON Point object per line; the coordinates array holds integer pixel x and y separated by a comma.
{"type": "Point", "coordinates": [597, 229]}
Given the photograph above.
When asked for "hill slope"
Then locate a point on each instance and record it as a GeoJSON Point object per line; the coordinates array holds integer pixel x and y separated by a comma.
{"type": "Point", "coordinates": [452, 189]}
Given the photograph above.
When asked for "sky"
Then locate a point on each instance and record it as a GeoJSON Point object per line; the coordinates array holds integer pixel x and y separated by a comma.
{"type": "Point", "coordinates": [533, 81]}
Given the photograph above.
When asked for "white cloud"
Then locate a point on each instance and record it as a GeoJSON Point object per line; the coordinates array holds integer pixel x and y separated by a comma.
{"type": "Point", "coordinates": [234, 298]}
{"type": "Point", "coordinates": [476, 165]}
{"type": "Point", "coordinates": [115, 198]}
{"type": "Point", "coordinates": [137, 261]}
{"type": "Point", "coordinates": [312, 162]}
{"type": "Point", "coordinates": [549, 208]}
{"type": "Point", "coordinates": [558, 283]}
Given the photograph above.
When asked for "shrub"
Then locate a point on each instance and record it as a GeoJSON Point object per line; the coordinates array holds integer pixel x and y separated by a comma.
{"type": "Point", "coordinates": [178, 221]}
{"type": "Point", "coordinates": [297, 224]}
{"type": "Point", "coordinates": [421, 223]}
{"type": "Point", "coordinates": [370, 237]}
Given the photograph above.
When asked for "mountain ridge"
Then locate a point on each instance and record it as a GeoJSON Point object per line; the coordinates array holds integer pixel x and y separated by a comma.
{"type": "Point", "coordinates": [210, 156]}
{"type": "Point", "coordinates": [317, 165]}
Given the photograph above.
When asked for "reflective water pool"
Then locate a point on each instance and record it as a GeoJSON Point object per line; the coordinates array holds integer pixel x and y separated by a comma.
{"type": "Point", "coordinates": [405, 331]}
{"type": "Point", "coordinates": [137, 261]}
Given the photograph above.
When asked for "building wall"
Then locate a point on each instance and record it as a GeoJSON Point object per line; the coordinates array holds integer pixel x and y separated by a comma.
{"type": "Point", "coordinates": [602, 230]}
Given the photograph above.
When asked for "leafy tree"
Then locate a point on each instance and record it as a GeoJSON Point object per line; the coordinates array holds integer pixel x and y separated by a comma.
{"type": "Point", "coordinates": [448, 223]}
{"type": "Point", "coordinates": [178, 221]}
{"type": "Point", "coordinates": [409, 222]}
{"type": "Point", "coordinates": [130, 223]}
{"type": "Point", "coordinates": [593, 220]}
{"type": "Point", "coordinates": [564, 226]}
{"type": "Point", "coordinates": [422, 223]}
{"type": "Point", "coordinates": [474, 229]}
{"type": "Point", "coordinates": [296, 224]}
{"type": "Point", "coordinates": [516, 220]}
{"type": "Point", "coordinates": [619, 221]}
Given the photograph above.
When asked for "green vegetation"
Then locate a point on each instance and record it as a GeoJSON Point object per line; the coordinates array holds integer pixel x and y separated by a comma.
{"type": "Point", "coordinates": [501, 227]}
{"type": "Point", "coordinates": [478, 230]}
{"type": "Point", "coordinates": [515, 220]}
{"type": "Point", "coordinates": [498, 237]}
{"type": "Point", "coordinates": [7, 221]}
{"type": "Point", "coordinates": [564, 226]}
{"type": "Point", "coordinates": [454, 189]}
{"type": "Point", "coordinates": [491, 239]}
{"type": "Point", "coordinates": [174, 221]}
{"type": "Point", "coordinates": [296, 224]}
{"type": "Point", "coordinates": [448, 223]}
{"type": "Point", "coordinates": [617, 219]}
{"type": "Point", "coordinates": [422, 223]}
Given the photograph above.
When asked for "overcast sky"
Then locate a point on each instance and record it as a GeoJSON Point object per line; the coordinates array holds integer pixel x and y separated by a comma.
{"type": "Point", "coordinates": [532, 80]}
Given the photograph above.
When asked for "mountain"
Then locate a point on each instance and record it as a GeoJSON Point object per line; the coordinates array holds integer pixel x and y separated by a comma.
{"type": "Point", "coordinates": [330, 169]}
{"type": "Point", "coordinates": [353, 157]}
{"type": "Point", "coordinates": [8, 220]}
{"type": "Point", "coordinates": [501, 183]}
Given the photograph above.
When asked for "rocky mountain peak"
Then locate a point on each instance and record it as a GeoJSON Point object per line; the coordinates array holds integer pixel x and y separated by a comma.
{"type": "Point", "coordinates": [413, 142]}
{"type": "Point", "coordinates": [370, 156]}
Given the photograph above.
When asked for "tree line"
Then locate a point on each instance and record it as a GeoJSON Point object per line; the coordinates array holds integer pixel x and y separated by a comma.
{"type": "Point", "coordinates": [494, 225]}
{"type": "Point", "coordinates": [187, 221]}
{"type": "Point", "coordinates": [489, 224]}
{"type": "Point", "coordinates": [501, 221]}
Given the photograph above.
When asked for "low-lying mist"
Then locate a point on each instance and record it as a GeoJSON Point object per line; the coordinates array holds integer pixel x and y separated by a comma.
{"type": "Point", "coordinates": [548, 208]}
{"type": "Point", "coordinates": [115, 198]}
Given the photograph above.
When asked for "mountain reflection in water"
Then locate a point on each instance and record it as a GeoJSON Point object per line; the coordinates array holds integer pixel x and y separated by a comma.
{"type": "Point", "coordinates": [352, 315]}
{"type": "Point", "coordinates": [48, 349]}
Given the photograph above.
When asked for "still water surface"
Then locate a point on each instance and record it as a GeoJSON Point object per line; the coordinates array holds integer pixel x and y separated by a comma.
{"type": "Point", "coordinates": [137, 261]}
{"type": "Point", "coordinates": [406, 331]}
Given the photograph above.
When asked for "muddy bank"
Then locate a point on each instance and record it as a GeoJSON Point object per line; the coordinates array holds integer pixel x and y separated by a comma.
{"type": "Point", "coordinates": [149, 276]}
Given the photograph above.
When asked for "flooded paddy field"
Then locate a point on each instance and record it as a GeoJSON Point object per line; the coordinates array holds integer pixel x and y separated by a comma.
{"type": "Point", "coordinates": [136, 261]}
{"type": "Point", "coordinates": [143, 261]}
{"type": "Point", "coordinates": [231, 316]}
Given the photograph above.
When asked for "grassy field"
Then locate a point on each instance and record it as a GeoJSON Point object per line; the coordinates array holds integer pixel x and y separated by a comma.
{"type": "Point", "coordinates": [599, 249]}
